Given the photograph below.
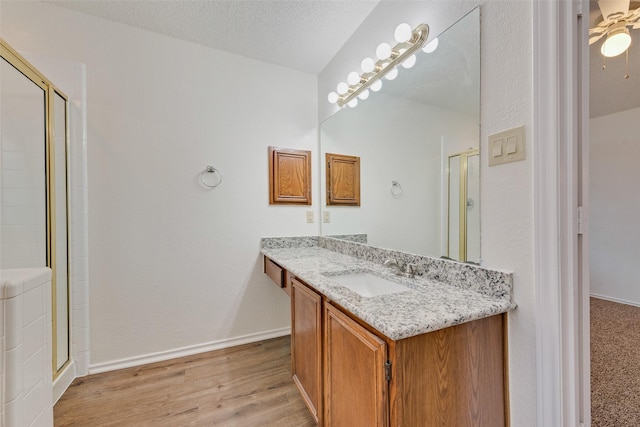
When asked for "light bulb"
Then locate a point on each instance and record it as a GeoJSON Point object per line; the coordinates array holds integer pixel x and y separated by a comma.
{"type": "Point", "coordinates": [383, 51]}
{"type": "Point", "coordinates": [431, 46]}
{"type": "Point", "coordinates": [376, 86]}
{"type": "Point", "coordinates": [353, 103]}
{"type": "Point", "coordinates": [332, 97]}
{"type": "Point", "coordinates": [616, 43]}
{"type": "Point", "coordinates": [367, 65]}
{"type": "Point", "coordinates": [392, 74]}
{"type": "Point", "coordinates": [353, 78]}
{"type": "Point", "coordinates": [403, 33]}
{"type": "Point", "coordinates": [364, 94]}
{"type": "Point", "coordinates": [409, 62]}
{"type": "Point", "coordinates": [342, 88]}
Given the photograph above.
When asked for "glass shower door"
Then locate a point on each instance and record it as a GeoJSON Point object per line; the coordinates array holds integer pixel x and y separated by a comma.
{"type": "Point", "coordinates": [34, 185]}
{"type": "Point", "coordinates": [23, 219]}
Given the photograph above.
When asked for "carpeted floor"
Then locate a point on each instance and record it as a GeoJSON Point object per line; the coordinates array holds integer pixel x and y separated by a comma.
{"type": "Point", "coordinates": [615, 364]}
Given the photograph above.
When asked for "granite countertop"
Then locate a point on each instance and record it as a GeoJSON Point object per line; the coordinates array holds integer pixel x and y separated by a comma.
{"type": "Point", "coordinates": [429, 305]}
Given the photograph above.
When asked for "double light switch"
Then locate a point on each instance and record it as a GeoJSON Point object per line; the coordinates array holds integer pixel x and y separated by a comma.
{"type": "Point", "coordinates": [507, 146]}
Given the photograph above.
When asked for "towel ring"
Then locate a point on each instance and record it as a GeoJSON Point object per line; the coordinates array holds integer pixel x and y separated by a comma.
{"type": "Point", "coordinates": [212, 170]}
{"type": "Point", "coordinates": [396, 189]}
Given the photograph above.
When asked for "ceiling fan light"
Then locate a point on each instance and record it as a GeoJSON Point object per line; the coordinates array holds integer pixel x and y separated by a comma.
{"type": "Point", "coordinates": [616, 43]}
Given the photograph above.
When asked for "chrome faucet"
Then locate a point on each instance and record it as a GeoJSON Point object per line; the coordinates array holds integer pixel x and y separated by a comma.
{"type": "Point", "coordinates": [409, 270]}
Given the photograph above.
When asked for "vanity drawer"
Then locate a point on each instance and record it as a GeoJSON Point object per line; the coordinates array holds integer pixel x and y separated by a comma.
{"type": "Point", "coordinates": [278, 274]}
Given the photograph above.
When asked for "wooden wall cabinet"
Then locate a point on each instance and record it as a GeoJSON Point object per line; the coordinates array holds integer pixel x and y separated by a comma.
{"type": "Point", "coordinates": [306, 346]}
{"type": "Point", "coordinates": [289, 176]}
{"type": "Point", "coordinates": [343, 180]}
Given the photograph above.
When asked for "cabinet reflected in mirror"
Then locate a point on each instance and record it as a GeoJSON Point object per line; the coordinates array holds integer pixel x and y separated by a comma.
{"type": "Point", "coordinates": [404, 135]}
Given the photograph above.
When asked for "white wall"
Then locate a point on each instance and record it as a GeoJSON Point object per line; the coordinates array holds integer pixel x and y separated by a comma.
{"type": "Point", "coordinates": [615, 206]}
{"type": "Point", "coordinates": [173, 265]}
{"type": "Point", "coordinates": [506, 191]}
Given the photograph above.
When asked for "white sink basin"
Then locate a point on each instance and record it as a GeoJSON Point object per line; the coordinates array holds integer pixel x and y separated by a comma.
{"type": "Point", "coordinates": [369, 285]}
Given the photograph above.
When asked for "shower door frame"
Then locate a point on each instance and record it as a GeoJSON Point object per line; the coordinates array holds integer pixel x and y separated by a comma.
{"type": "Point", "coordinates": [462, 202]}
{"type": "Point", "coordinates": [50, 91]}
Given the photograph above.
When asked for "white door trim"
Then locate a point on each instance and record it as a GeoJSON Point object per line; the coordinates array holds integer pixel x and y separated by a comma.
{"type": "Point", "coordinates": [557, 131]}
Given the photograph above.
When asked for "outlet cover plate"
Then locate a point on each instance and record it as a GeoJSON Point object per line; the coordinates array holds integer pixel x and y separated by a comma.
{"type": "Point", "coordinates": [507, 146]}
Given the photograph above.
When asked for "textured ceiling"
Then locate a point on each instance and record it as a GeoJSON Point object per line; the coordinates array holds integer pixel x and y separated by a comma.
{"type": "Point", "coordinates": [609, 91]}
{"type": "Point", "coordinates": [306, 34]}
{"type": "Point", "coordinates": [299, 34]}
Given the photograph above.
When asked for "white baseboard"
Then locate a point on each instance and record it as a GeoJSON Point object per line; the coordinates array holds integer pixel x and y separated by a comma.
{"type": "Point", "coordinates": [64, 380]}
{"type": "Point", "coordinates": [186, 351]}
{"type": "Point", "coordinates": [618, 300]}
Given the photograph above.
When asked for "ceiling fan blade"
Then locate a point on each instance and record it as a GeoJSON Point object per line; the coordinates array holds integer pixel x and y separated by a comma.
{"type": "Point", "coordinates": [634, 16]}
{"type": "Point", "coordinates": [595, 37]}
{"type": "Point", "coordinates": [613, 9]}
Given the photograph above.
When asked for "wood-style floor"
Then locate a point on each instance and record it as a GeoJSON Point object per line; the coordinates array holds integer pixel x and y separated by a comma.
{"type": "Point", "coordinates": [248, 385]}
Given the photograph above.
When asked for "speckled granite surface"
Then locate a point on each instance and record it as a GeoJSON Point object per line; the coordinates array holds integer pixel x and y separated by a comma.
{"type": "Point", "coordinates": [467, 276]}
{"type": "Point", "coordinates": [427, 305]}
{"type": "Point", "coordinates": [359, 238]}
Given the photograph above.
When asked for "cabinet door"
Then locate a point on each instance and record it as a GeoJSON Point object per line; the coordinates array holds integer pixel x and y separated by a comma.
{"type": "Point", "coordinates": [356, 387]}
{"type": "Point", "coordinates": [343, 180]}
{"type": "Point", "coordinates": [306, 345]}
{"type": "Point", "coordinates": [289, 176]}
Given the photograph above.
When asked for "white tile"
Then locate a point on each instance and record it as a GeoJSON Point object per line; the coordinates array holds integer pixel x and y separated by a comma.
{"type": "Point", "coordinates": [80, 292]}
{"type": "Point", "coordinates": [21, 215]}
{"type": "Point", "coordinates": [80, 247]}
{"type": "Point", "coordinates": [23, 179]}
{"type": "Point", "coordinates": [22, 160]}
{"type": "Point", "coordinates": [44, 419]}
{"type": "Point", "coordinates": [2, 357]}
{"type": "Point", "coordinates": [23, 197]}
{"type": "Point", "coordinates": [34, 370]}
{"type": "Point", "coordinates": [17, 234]}
{"type": "Point", "coordinates": [14, 413]}
{"type": "Point", "coordinates": [36, 401]}
{"type": "Point", "coordinates": [17, 253]}
{"type": "Point", "coordinates": [80, 269]}
{"type": "Point", "coordinates": [33, 337]}
{"type": "Point", "coordinates": [2, 302]}
{"type": "Point", "coordinates": [33, 301]}
{"type": "Point", "coordinates": [13, 322]}
{"type": "Point", "coordinates": [13, 380]}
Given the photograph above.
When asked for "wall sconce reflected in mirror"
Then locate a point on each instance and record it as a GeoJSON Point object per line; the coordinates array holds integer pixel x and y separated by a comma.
{"type": "Point", "coordinates": [388, 60]}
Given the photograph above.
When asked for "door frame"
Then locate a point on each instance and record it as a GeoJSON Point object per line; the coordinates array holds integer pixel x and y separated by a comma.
{"type": "Point", "coordinates": [560, 77]}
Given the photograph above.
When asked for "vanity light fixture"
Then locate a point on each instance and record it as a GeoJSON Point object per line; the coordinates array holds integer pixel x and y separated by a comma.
{"type": "Point", "coordinates": [388, 59]}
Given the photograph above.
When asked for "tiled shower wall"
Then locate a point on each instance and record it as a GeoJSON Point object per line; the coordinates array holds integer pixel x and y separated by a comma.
{"type": "Point", "coordinates": [22, 182]}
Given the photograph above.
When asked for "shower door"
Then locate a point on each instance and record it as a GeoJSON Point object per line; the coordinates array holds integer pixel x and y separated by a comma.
{"type": "Point", "coordinates": [463, 213]}
{"type": "Point", "coordinates": [34, 184]}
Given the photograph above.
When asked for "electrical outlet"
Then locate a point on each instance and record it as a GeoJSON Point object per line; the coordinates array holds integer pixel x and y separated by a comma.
{"type": "Point", "coordinates": [309, 216]}
{"type": "Point", "coordinates": [326, 217]}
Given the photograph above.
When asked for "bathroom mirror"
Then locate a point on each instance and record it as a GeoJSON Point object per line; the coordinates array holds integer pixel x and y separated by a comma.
{"type": "Point", "coordinates": [406, 136]}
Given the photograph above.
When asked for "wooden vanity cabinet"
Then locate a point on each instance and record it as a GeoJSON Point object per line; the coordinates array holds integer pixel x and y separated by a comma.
{"type": "Point", "coordinates": [279, 275]}
{"type": "Point", "coordinates": [349, 374]}
{"type": "Point", "coordinates": [355, 378]}
{"type": "Point", "coordinates": [306, 346]}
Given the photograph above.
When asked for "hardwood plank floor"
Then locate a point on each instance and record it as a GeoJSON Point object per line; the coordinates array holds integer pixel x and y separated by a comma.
{"type": "Point", "coordinates": [248, 385]}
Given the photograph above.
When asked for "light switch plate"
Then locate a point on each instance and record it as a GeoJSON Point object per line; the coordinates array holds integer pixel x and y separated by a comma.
{"type": "Point", "coordinates": [507, 146]}
{"type": "Point", "coordinates": [309, 216]}
{"type": "Point", "coordinates": [326, 217]}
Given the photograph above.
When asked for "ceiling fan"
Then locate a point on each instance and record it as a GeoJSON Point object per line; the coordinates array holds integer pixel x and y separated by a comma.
{"type": "Point", "coordinates": [617, 19]}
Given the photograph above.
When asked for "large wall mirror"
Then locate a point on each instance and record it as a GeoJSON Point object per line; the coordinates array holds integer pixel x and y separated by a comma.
{"type": "Point", "coordinates": [418, 143]}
